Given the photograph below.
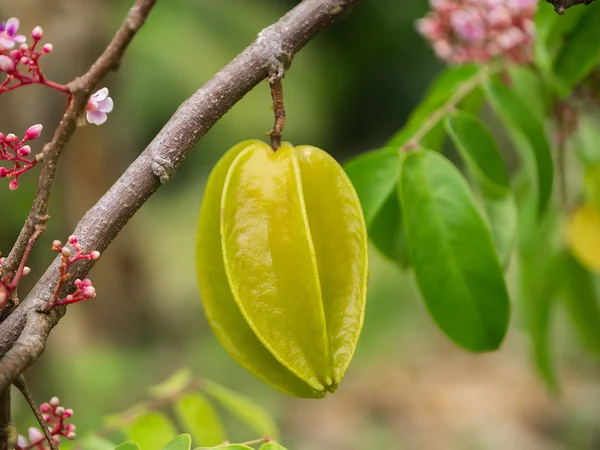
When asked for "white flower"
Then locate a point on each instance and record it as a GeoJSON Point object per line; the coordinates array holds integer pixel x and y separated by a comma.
{"type": "Point", "coordinates": [98, 106]}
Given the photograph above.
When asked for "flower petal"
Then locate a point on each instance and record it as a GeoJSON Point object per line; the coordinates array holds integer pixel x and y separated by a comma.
{"type": "Point", "coordinates": [19, 38]}
{"type": "Point", "coordinates": [6, 43]}
{"type": "Point", "coordinates": [96, 117]}
{"type": "Point", "coordinates": [101, 94]}
{"type": "Point", "coordinates": [106, 105]}
{"type": "Point", "coordinates": [12, 25]}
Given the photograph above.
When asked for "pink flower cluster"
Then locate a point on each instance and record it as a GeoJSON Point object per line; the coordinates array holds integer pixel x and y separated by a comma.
{"type": "Point", "coordinates": [55, 416]}
{"type": "Point", "coordinates": [21, 64]}
{"type": "Point", "coordinates": [466, 31]}
{"type": "Point", "coordinates": [16, 151]}
{"type": "Point", "coordinates": [84, 288]}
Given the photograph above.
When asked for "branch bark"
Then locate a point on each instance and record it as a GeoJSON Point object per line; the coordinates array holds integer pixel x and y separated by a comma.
{"type": "Point", "coordinates": [23, 334]}
{"type": "Point", "coordinates": [560, 6]}
{"type": "Point", "coordinates": [81, 89]}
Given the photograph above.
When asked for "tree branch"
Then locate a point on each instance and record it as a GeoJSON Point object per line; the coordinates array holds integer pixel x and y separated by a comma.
{"type": "Point", "coordinates": [560, 6]}
{"type": "Point", "coordinates": [81, 89]}
{"type": "Point", "coordinates": [157, 164]}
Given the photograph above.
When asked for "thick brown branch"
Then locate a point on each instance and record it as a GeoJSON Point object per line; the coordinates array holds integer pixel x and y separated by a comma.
{"type": "Point", "coordinates": [157, 164]}
{"type": "Point", "coordinates": [81, 89]}
{"type": "Point", "coordinates": [560, 6]}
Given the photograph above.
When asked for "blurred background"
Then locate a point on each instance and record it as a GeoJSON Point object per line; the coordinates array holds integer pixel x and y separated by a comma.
{"type": "Point", "coordinates": [347, 92]}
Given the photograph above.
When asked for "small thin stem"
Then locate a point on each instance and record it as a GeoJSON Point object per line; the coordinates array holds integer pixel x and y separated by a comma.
{"type": "Point", "coordinates": [21, 385]}
{"type": "Point", "coordinates": [278, 108]}
{"type": "Point", "coordinates": [257, 441]}
{"type": "Point", "coordinates": [462, 92]}
{"type": "Point", "coordinates": [38, 231]}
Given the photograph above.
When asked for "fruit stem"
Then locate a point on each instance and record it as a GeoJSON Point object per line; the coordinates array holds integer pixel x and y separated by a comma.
{"type": "Point", "coordinates": [278, 108]}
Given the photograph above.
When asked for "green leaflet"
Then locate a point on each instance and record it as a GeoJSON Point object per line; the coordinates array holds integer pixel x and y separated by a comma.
{"type": "Point", "coordinates": [387, 232]}
{"type": "Point", "coordinates": [151, 431]}
{"type": "Point", "coordinates": [476, 145]}
{"type": "Point", "coordinates": [271, 446]}
{"type": "Point", "coordinates": [128, 446]}
{"type": "Point", "coordinates": [528, 134]}
{"type": "Point", "coordinates": [452, 252]}
{"type": "Point", "coordinates": [581, 52]}
{"type": "Point", "coordinates": [198, 416]}
{"type": "Point", "coordinates": [582, 303]}
{"type": "Point", "coordinates": [374, 176]}
{"type": "Point", "coordinates": [250, 413]}
{"type": "Point", "coordinates": [181, 442]}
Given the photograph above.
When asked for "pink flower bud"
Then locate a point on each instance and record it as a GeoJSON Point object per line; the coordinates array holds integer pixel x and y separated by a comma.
{"type": "Point", "coordinates": [45, 407]}
{"type": "Point", "coordinates": [25, 150]}
{"type": "Point", "coordinates": [86, 282]}
{"type": "Point", "coordinates": [15, 54]}
{"type": "Point", "coordinates": [69, 298]}
{"type": "Point", "coordinates": [73, 239]}
{"type": "Point", "coordinates": [34, 131]}
{"type": "Point", "coordinates": [95, 255]}
{"type": "Point", "coordinates": [89, 292]}
{"type": "Point", "coordinates": [56, 438]}
{"type": "Point", "coordinates": [24, 60]}
{"type": "Point", "coordinates": [59, 411]}
{"type": "Point", "coordinates": [47, 48]}
{"type": "Point", "coordinates": [56, 243]}
{"type": "Point", "coordinates": [2, 137]}
{"type": "Point", "coordinates": [26, 271]}
{"type": "Point", "coordinates": [13, 185]}
{"type": "Point", "coordinates": [66, 251]}
{"type": "Point", "coordinates": [69, 413]}
{"type": "Point", "coordinates": [24, 47]}
{"type": "Point", "coordinates": [37, 33]}
{"type": "Point", "coordinates": [3, 172]}
{"type": "Point", "coordinates": [54, 402]}
{"type": "Point", "coordinates": [7, 65]}
{"type": "Point", "coordinates": [70, 436]}
{"type": "Point", "coordinates": [10, 137]}
{"type": "Point", "coordinates": [78, 282]}
{"type": "Point", "coordinates": [47, 417]}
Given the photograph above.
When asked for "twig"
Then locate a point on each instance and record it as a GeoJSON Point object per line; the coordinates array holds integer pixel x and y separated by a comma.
{"type": "Point", "coordinates": [81, 89]}
{"type": "Point", "coordinates": [21, 385]}
{"type": "Point", "coordinates": [23, 334]}
{"type": "Point", "coordinates": [560, 6]}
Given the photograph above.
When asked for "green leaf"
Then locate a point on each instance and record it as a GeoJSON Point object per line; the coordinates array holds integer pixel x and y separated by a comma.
{"type": "Point", "coordinates": [252, 414]}
{"type": "Point", "coordinates": [199, 417]}
{"type": "Point", "coordinates": [476, 145]}
{"type": "Point", "coordinates": [181, 442]}
{"type": "Point", "coordinates": [374, 176]}
{"type": "Point", "coordinates": [152, 431]}
{"type": "Point", "coordinates": [528, 134]}
{"type": "Point", "coordinates": [173, 385]}
{"type": "Point", "coordinates": [129, 445]}
{"type": "Point", "coordinates": [272, 446]}
{"type": "Point", "coordinates": [582, 303]}
{"type": "Point", "coordinates": [452, 252]}
{"type": "Point", "coordinates": [581, 52]}
{"type": "Point", "coordinates": [441, 92]}
{"type": "Point", "coordinates": [545, 21]}
{"type": "Point", "coordinates": [387, 232]}
{"type": "Point", "coordinates": [527, 83]}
